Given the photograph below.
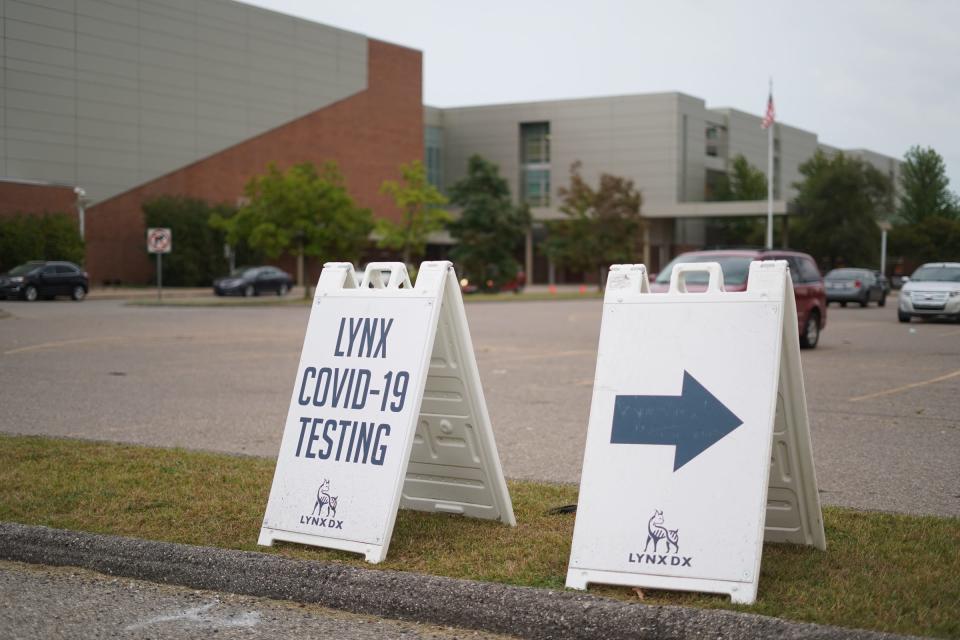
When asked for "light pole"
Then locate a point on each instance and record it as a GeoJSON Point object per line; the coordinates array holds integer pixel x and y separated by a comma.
{"type": "Point", "coordinates": [81, 210]}
{"type": "Point", "coordinates": [884, 227]}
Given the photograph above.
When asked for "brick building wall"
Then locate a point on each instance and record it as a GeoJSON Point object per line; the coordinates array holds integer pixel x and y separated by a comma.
{"type": "Point", "coordinates": [369, 135]}
{"type": "Point", "coordinates": [33, 198]}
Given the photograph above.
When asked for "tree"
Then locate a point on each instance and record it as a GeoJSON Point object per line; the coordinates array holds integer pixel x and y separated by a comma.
{"type": "Point", "coordinates": [48, 236]}
{"type": "Point", "coordinates": [198, 257]}
{"type": "Point", "coordinates": [602, 224]}
{"type": "Point", "coordinates": [923, 187]}
{"type": "Point", "coordinates": [305, 211]}
{"type": "Point", "coordinates": [490, 227]}
{"type": "Point", "coordinates": [419, 203]}
{"type": "Point", "coordinates": [933, 239]}
{"type": "Point", "coordinates": [742, 182]}
{"type": "Point", "coordinates": [840, 198]}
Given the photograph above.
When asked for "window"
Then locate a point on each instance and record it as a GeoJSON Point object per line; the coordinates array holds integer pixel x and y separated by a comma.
{"type": "Point", "coordinates": [809, 271]}
{"type": "Point", "coordinates": [65, 268]}
{"type": "Point", "coordinates": [536, 186]}
{"type": "Point", "coordinates": [713, 185]}
{"type": "Point", "coordinates": [936, 273]}
{"type": "Point", "coordinates": [716, 135]}
{"type": "Point", "coordinates": [735, 269]}
{"type": "Point", "coordinates": [535, 142]}
{"type": "Point", "coordinates": [796, 273]}
{"type": "Point", "coordinates": [433, 152]}
{"type": "Point", "coordinates": [801, 269]}
{"type": "Point", "coordinates": [535, 163]}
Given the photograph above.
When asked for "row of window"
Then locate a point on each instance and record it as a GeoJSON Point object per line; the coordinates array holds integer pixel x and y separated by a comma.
{"type": "Point", "coordinates": [535, 159]}
{"type": "Point", "coordinates": [535, 163]}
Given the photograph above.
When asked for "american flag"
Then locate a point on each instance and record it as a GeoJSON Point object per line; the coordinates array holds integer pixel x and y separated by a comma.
{"type": "Point", "coordinates": [771, 115]}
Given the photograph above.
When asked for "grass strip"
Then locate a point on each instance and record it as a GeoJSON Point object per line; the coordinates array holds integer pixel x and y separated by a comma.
{"type": "Point", "coordinates": [881, 571]}
{"type": "Point", "coordinates": [298, 301]}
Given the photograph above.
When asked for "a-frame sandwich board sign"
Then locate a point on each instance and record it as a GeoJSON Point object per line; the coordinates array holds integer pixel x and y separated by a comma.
{"type": "Point", "coordinates": [386, 411]}
{"type": "Point", "coordinates": [698, 446]}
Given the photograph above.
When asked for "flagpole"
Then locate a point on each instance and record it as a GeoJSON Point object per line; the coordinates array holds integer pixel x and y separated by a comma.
{"type": "Point", "coordinates": [770, 178]}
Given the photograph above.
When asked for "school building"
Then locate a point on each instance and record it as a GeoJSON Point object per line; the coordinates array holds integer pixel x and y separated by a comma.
{"type": "Point", "coordinates": [106, 104]}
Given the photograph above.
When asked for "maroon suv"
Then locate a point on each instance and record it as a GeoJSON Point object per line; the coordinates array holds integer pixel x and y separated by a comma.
{"type": "Point", "coordinates": [807, 282]}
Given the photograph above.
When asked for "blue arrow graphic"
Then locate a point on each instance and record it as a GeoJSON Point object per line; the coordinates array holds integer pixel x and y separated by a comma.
{"type": "Point", "coordinates": [693, 421]}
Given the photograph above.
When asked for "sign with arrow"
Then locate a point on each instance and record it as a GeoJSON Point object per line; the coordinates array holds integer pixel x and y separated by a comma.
{"type": "Point", "coordinates": [698, 445]}
{"type": "Point", "coordinates": [692, 422]}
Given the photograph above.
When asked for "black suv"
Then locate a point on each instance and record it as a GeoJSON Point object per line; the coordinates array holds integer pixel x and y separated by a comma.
{"type": "Point", "coordinates": [44, 279]}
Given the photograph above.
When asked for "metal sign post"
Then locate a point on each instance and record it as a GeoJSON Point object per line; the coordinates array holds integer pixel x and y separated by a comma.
{"type": "Point", "coordinates": [698, 446]}
{"type": "Point", "coordinates": [159, 242]}
{"type": "Point", "coordinates": [387, 411]}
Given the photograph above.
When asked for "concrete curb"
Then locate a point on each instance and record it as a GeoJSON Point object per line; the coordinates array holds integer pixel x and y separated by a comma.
{"type": "Point", "coordinates": [146, 293]}
{"type": "Point", "coordinates": [521, 611]}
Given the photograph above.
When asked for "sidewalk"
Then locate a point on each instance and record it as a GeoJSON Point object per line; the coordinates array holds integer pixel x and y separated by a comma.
{"type": "Point", "coordinates": [140, 293]}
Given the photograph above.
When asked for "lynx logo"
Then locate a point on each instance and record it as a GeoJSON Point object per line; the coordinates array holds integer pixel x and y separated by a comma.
{"type": "Point", "coordinates": [324, 509]}
{"type": "Point", "coordinates": [657, 532]}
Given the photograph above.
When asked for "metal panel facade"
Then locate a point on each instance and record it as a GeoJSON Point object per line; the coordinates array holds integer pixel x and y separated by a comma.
{"type": "Point", "coordinates": [107, 95]}
{"type": "Point", "coordinates": [632, 136]}
{"type": "Point", "coordinates": [657, 140]}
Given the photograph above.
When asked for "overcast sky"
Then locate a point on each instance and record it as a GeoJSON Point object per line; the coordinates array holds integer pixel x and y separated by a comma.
{"type": "Point", "coordinates": [875, 74]}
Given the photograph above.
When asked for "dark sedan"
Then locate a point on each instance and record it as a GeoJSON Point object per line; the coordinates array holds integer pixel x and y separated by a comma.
{"type": "Point", "coordinates": [854, 285]}
{"type": "Point", "coordinates": [44, 279]}
{"type": "Point", "coordinates": [252, 281]}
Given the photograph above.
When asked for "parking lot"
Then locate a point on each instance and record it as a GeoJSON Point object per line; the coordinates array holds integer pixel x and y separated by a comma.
{"type": "Point", "coordinates": [884, 397]}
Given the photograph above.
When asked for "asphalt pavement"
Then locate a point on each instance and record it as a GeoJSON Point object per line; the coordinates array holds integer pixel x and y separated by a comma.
{"type": "Point", "coordinates": [884, 397]}
{"type": "Point", "coordinates": [54, 603]}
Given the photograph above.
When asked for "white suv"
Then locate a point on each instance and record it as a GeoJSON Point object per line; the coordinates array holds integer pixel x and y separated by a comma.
{"type": "Point", "coordinates": [932, 290]}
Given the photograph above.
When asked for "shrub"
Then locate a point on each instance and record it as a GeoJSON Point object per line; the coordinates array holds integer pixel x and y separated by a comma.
{"type": "Point", "coordinates": [47, 236]}
{"type": "Point", "coordinates": [197, 257]}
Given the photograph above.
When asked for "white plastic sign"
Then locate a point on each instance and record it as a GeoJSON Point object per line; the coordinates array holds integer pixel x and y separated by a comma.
{"type": "Point", "coordinates": [698, 408]}
{"type": "Point", "coordinates": [387, 411]}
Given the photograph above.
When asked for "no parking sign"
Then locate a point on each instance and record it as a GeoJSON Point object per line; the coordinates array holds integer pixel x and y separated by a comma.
{"type": "Point", "coordinates": [159, 240]}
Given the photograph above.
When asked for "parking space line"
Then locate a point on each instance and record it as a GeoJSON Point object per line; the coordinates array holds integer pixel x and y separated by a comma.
{"type": "Point", "coordinates": [201, 338]}
{"type": "Point", "coordinates": [912, 385]}
{"type": "Point", "coordinates": [62, 343]}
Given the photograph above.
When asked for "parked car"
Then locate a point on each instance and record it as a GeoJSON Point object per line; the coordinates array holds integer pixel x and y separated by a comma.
{"type": "Point", "coordinates": [252, 281]}
{"type": "Point", "coordinates": [854, 285]}
{"type": "Point", "coordinates": [807, 283]}
{"type": "Point", "coordinates": [884, 282]}
{"type": "Point", "coordinates": [45, 279]}
{"type": "Point", "coordinates": [932, 290]}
